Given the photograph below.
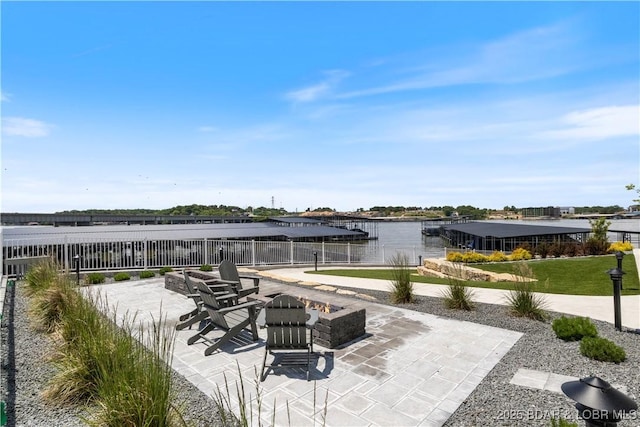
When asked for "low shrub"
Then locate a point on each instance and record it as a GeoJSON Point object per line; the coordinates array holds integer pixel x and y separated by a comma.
{"type": "Point", "coordinates": [146, 274]}
{"type": "Point", "coordinates": [574, 328]}
{"type": "Point", "coordinates": [473, 257]}
{"type": "Point", "coordinates": [455, 257]}
{"type": "Point", "coordinates": [526, 246]}
{"type": "Point", "coordinates": [543, 250]}
{"type": "Point", "coordinates": [556, 249]}
{"type": "Point", "coordinates": [602, 349]}
{"type": "Point", "coordinates": [122, 276]}
{"type": "Point", "coordinates": [206, 267]}
{"type": "Point", "coordinates": [497, 256]}
{"type": "Point", "coordinates": [595, 246]}
{"type": "Point", "coordinates": [571, 249]}
{"type": "Point", "coordinates": [164, 270]}
{"type": "Point", "coordinates": [401, 286]}
{"type": "Point", "coordinates": [94, 278]}
{"type": "Point", "coordinates": [520, 254]}
{"type": "Point", "coordinates": [620, 247]}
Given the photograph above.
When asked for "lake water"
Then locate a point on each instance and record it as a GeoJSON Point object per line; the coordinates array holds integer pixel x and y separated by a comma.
{"type": "Point", "coordinates": [406, 237]}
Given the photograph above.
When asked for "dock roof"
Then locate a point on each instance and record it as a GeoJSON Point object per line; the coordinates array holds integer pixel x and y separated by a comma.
{"type": "Point", "coordinates": [502, 230]}
{"type": "Point", "coordinates": [100, 233]}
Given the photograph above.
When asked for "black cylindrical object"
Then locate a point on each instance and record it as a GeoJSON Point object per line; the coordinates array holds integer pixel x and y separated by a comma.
{"type": "Point", "coordinates": [616, 278]}
{"type": "Point", "coordinates": [76, 259]}
{"type": "Point", "coordinates": [598, 404]}
{"type": "Point", "coordinates": [619, 256]}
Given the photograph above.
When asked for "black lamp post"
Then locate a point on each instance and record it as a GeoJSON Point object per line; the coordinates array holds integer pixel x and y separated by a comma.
{"type": "Point", "coordinates": [221, 252]}
{"type": "Point", "coordinates": [616, 278]}
{"type": "Point", "coordinates": [598, 404]}
{"type": "Point", "coordinates": [76, 261]}
{"type": "Point", "coordinates": [619, 256]}
{"type": "Point", "coordinates": [315, 260]}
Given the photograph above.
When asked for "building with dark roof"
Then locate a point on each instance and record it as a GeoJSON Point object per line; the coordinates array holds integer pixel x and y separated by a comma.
{"type": "Point", "coordinates": [490, 236]}
{"type": "Point", "coordinates": [542, 212]}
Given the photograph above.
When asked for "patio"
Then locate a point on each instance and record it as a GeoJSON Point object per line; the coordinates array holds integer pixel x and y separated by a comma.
{"type": "Point", "coordinates": [409, 369]}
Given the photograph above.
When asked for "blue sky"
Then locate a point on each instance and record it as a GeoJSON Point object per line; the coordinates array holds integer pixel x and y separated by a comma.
{"type": "Point", "coordinates": [342, 104]}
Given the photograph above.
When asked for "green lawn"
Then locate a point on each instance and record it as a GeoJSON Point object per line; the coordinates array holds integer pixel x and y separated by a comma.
{"type": "Point", "coordinates": [574, 276]}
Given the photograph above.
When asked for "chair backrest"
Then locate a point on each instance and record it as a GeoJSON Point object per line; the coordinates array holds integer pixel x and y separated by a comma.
{"type": "Point", "coordinates": [211, 304]}
{"type": "Point", "coordinates": [229, 271]}
{"type": "Point", "coordinates": [285, 319]}
{"type": "Point", "coordinates": [187, 280]}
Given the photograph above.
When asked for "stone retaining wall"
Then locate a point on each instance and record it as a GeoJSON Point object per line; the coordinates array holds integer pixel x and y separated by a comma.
{"type": "Point", "coordinates": [443, 269]}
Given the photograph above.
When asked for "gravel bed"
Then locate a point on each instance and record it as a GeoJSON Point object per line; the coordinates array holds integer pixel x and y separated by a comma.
{"type": "Point", "coordinates": [494, 402]}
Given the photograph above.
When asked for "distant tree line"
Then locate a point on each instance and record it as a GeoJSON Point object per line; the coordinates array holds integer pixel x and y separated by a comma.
{"type": "Point", "coordinates": [195, 210]}
{"type": "Point", "coordinates": [432, 211]}
{"type": "Point", "coordinates": [263, 212]}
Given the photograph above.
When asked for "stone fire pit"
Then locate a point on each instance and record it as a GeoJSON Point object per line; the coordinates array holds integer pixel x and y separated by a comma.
{"type": "Point", "coordinates": [336, 325]}
{"type": "Point", "coordinates": [338, 322]}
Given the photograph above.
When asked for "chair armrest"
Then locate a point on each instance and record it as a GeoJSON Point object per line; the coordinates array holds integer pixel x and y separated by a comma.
{"type": "Point", "coordinates": [248, 291]}
{"type": "Point", "coordinates": [244, 305]}
{"type": "Point", "coordinates": [216, 284]}
{"type": "Point", "coordinates": [227, 282]}
{"type": "Point", "coordinates": [248, 304]}
{"type": "Point", "coordinates": [224, 296]}
{"type": "Point", "coordinates": [256, 279]}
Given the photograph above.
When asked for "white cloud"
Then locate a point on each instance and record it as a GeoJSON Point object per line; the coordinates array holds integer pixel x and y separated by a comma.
{"type": "Point", "coordinates": [314, 92]}
{"type": "Point", "coordinates": [308, 94]}
{"type": "Point", "coordinates": [5, 97]}
{"type": "Point", "coordinates": [599, 123]}
{"type": "Point", "coordinates": [533, 54]}
{"type": "Point", "coordinates": [20, 126]}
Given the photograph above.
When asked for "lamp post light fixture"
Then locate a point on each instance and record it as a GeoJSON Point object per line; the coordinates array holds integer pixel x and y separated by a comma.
{"type": "Point", "coordinates": [597, 402]}
{"type": "Point", "coordinates": [616, 278]}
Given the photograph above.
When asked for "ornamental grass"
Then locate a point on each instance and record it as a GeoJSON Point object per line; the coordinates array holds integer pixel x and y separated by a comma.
{"type": "Point", "coordinates": [401, 285]}
{"type": "Point", "coordinates": [457, 295]}
{"type": "Point", "coordinates": [121, 371]}
{"type": "Point", "coordinates": [523, 300]}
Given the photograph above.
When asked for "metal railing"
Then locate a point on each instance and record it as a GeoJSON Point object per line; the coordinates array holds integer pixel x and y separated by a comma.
{"type": "Point", "coordinates": [107, 254]}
